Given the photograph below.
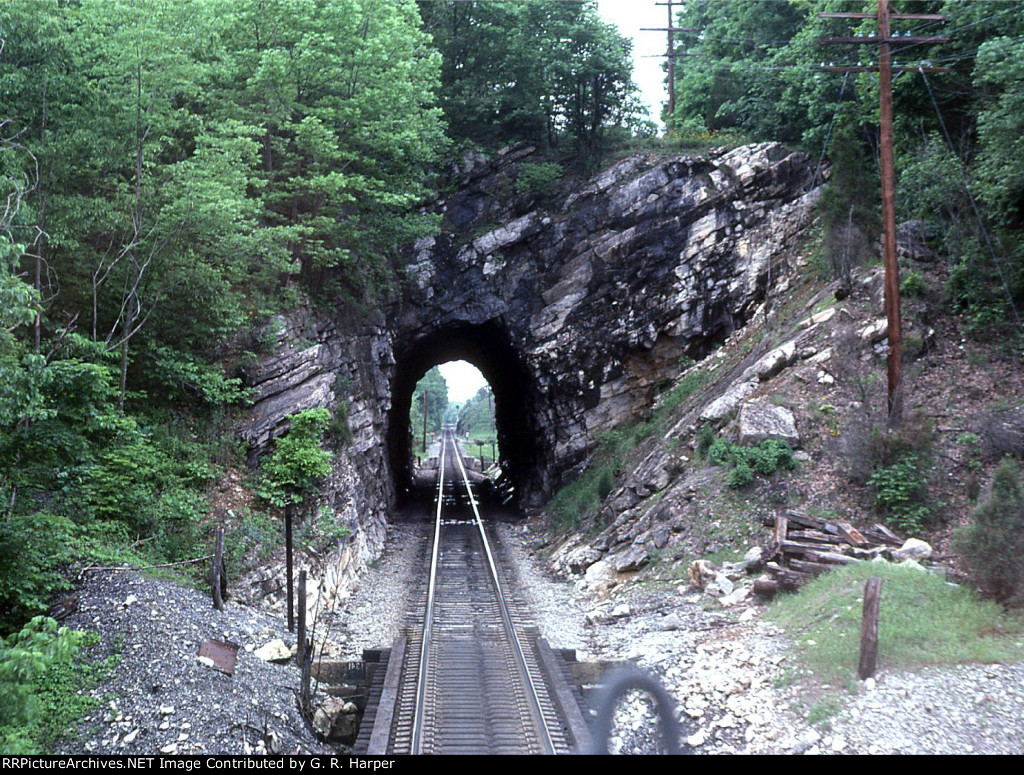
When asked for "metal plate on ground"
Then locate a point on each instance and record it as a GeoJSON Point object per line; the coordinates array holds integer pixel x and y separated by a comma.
{"type": "Point", "coordinates": [221, 654]}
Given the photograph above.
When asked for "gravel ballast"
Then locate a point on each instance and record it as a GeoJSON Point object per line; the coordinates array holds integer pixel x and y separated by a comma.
{"type": "Point", "coordinates": [732, 674]}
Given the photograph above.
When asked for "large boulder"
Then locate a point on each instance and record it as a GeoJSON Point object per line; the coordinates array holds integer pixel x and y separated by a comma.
{"type": "Point", "coordinates": [759, 422]}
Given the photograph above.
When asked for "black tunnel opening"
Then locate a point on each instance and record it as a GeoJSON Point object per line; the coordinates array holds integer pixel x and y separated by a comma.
{"type": "Point", "coordinates": [487, 347]}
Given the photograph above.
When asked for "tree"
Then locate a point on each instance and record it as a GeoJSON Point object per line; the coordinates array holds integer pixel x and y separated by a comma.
{"type": "Point", "coordinates": [340, 97]}
{"type": "Point", "coordinates": [593, 87]}
{"type": "Point", "coordinates": [994, 541]}
{"type": "Point", "coordinates": [540, 72]}
{"type": "Point", "coordinates": [736, 80]}
{"type": "Point", "coordinates": [433, 386]}
{"type": "Point", "coordinates": [288, 476]}
{"type": "Point", "coordinates": [477, 416]}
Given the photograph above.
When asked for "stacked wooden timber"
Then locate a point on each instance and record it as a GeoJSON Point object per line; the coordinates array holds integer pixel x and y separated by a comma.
{"type": "Point", "coordinates": [804, 546]}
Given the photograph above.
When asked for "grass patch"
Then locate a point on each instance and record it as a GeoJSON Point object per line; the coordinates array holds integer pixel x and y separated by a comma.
{"type": "Point", "coordinates": [922, 621]}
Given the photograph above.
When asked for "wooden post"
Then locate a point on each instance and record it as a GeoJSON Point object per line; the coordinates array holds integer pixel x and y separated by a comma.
{"type": "Point", "coordinates": [301, 654]}
{"type": "Point", "coordinates": [288, 565]}
{"type": "Point", "coordinates": [869, 628]}
{"type": "Point", "coordinates": [425, 423]}
{"type": "Point", "coordinates": [217, 579]}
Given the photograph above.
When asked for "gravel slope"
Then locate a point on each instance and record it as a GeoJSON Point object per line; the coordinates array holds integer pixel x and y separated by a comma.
{"type": "Point", "coordinates": [730, 673]}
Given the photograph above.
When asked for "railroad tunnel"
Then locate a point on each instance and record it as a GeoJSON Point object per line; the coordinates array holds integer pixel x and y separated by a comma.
{"type": "Point", "coordinates": [488, 347]}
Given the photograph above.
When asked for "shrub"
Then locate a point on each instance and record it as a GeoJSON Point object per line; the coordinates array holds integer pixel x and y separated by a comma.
{"type": "Point", "coordinates": [537, 178]}
{"type": "Point", "coordinates": [46, 680]}
{"type": "Point", "coordinates": [766, 458]}
{"type": "Point", "coordinates": [24, 656]}
{"type": "Point", "coordinates": [900, 493]}
{"type": "Point", "coordinates": [740, 476]}
{"type": "Point", "coordinates": [298, 461]}
{"type": "Point", "coordinates": [993, 543]}
{"type": "Point", "coordinates": [33, 550]}
{"type": "Point", "coordinates": [705, 438]}
{"type": "Point", "coordinates": [913, 285]}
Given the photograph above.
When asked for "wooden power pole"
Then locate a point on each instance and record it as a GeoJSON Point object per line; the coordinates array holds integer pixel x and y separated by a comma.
{"type": "Point", "coordinates": [884, 39]}
{"type": "Point", "coordinates": [670, 54]}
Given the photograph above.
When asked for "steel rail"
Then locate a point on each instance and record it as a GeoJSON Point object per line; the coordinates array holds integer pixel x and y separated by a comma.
{"type": "Point", "coordinates": [536, 710]}
{"type": "Point", "coordinates": [421, 686]}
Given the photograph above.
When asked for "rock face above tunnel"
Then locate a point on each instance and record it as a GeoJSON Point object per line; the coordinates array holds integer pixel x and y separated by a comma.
{"type": "Point", "coordinates": [604, 291]}
{"type": "Point", "coordinates": [575, 307]}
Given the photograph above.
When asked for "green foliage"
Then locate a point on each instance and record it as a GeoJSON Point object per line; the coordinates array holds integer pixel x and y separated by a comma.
{"type": "Point", "coordinates": [898, 462]}
{"type": "Point", "coordinates": [476, 416]}
{"type": "Point", "coordinates": [435, 389]}
{"type": "Point", "coordinates": [705, 438]}
{"type": "Point", "coordinates": [1000, 72]}
{"type": "Point", "coordinates": [183, 376]}
{"type": "Point", "coordinates": [45, 685]}
{"type": "Point", "coordinates": [249, 541]}
{"type": "Point", "coordinates": [825, 618]}
{"type": "Point", "coordinates": [536, 71]}
{"type": "Point", "coordinates": [583, 496]}
{"type": "Point", "coordinates": [912, 285]}
{"type": "Point", "coordinates": [537, 179]}
{"type": "Point", "coordinates": [766, 458]}
{"type": "Point", "coordinates": [34, 550]}
{"type": "Point", "coordinates": [900, 492]}
{"type": "Point", "coordinates": [726, 88]}
{"type": "Point", "coordinates": [323, 528]}
{"type": "Point", "coordinates": [24, 656]}
{"type": "Point", "coordinates": [291, 472]}
{"type": "Point", "coordinates": [341, 97]}
{"type": "Point", "coordinates": [993, 542]}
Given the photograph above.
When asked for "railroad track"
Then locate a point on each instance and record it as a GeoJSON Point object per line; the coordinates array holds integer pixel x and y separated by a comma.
{"type": "Point", "coordinates": [468, 676]}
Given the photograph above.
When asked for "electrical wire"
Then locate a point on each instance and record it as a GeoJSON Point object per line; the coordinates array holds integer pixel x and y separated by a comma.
{"type": "Point", "coordinates": [974, 206]}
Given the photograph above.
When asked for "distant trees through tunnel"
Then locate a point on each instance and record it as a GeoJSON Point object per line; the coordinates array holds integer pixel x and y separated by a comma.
{"type": "Point", "coordinates": [454, 394]}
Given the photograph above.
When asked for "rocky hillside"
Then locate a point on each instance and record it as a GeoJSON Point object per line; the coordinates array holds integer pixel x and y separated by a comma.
{"type": "Point", "coordinates": [809, 369]}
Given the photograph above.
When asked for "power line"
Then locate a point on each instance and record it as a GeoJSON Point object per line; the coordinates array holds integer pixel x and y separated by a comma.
{"type": "Point", "coordinates": [974, 207]}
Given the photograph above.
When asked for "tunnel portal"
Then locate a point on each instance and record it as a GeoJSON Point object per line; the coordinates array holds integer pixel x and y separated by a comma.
{"type": "Point", "coordinates": [488, 347]}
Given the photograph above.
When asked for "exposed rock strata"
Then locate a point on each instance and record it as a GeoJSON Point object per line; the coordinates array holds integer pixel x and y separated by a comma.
{"type": "Point", "coordinates": [596, 298]}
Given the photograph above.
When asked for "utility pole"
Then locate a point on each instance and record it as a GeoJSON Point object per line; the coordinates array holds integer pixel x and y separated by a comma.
{"type": "Point", "coordinates": [670, 54]}
{"type": "Point", "coordinates": [884, 39]}
{"type": "Point", "coordinates": [425, 455]}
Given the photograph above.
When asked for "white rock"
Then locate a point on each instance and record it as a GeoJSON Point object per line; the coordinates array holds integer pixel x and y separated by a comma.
{"type": "Point", "coordinates": [761, 421]}
{"type": "Point", "coordinates": [913, 549]}
{"type": "Point", "coordinates": [720, 587]}
{"type": "Point", "coordinates": [876, 331]}
{"type": "Point", "coordinates": [697, 739]}
{"type": "Point", "coordinates": [727, 403]}
{"type": "Point", "coordinates": [738, 595]}
{"type": "Point", "coordinates": [274, 651]}
{"type": "Point", "coordinates": [166, 710]}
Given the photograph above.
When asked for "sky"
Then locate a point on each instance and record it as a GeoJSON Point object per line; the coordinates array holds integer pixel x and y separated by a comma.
{"type": "Point", "coordinates": [463, 380]}
{"type": "Point", "coordinates": [648, 47]}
